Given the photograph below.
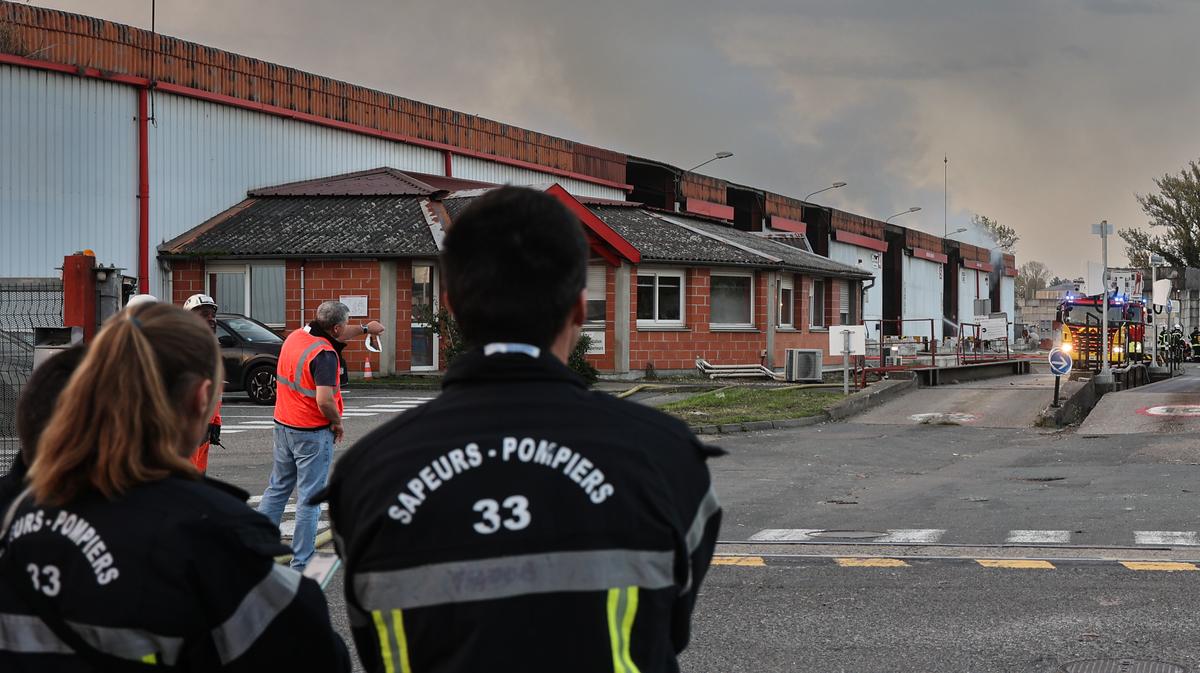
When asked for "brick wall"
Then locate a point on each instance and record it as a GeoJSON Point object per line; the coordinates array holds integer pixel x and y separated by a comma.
{"type": "Point", "coordinates": [857, 224]}
{"type": "Point", "coordinates": [920, 239]}
{"type": "Point", "coordinates": [702, 187]}
{"type": "Point", "coordinates": [187, 278]}
{"type": "Point", "coordinates": [331, 279]}
{"type": "Point", "coordinates": [784, 206]}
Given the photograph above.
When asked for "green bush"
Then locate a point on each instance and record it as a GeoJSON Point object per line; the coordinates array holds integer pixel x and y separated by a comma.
{"type": "Point", "coordinates": [578, 360]}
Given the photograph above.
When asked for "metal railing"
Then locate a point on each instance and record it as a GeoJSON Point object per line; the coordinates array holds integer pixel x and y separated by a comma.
{"type": "Point", "coordinates": [25, 304]}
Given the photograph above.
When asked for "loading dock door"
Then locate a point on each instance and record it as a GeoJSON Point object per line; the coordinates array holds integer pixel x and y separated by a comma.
{"type": "Point", "coordinates": [870, 261]}
{"type": "Point", "coordinates": [922, 297]}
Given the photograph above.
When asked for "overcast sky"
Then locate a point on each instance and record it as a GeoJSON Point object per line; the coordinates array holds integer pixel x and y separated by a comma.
{"type": "Point", "coordinates": [1053, 112]}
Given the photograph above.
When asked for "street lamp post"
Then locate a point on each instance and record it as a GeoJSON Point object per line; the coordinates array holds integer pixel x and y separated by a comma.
{"type": "Point", "coordinates": [956, 231]}
{"type": "Point", "coordinates": [715, 157]}
{"type": "Point", "coordinates": [836, 185]}
{"type": "Point", "coordinates": [1156, 260]}
{"type": "Point", "coordinates": [903, 212]}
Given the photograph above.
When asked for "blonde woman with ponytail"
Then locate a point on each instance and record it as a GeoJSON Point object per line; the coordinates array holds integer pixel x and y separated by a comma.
{"type": "Point", "coordinates": [120, 554]}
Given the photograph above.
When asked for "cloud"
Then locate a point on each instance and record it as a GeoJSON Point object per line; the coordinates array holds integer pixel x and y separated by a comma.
{"type": "Point", "coordinates": [1053, 112]}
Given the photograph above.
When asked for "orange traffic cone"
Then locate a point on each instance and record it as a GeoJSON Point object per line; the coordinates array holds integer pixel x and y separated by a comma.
{"type": "Point", "coordinates": [367, 370]}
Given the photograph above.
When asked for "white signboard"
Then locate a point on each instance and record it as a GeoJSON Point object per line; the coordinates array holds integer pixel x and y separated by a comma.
{"type": "Point", "coordinates": [1162, 291]}
{"type": "Point", "coordinates": [357, 304]}
{"type": "Point", "coordinates": [992, 328]}
{"type": "Point", "coordinates": [597, 347]}
{"type": "Point", "coordinates": [837, 339]}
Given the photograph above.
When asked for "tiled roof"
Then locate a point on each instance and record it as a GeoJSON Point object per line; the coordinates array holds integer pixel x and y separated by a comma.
{"type": "Point", "coordinates": [661, 241]}
{"type": "Point", "coordinates": [791, 256]}
{"type": "Point", "coordinates": [661, 238]}
{"type": "Point", "coordinates": [390, 226]}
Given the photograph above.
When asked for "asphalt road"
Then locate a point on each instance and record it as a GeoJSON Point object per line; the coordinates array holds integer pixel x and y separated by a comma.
{"type": "Point", "coordinates": [1166, 407]}
{"type": "Point", "coordinates": [907, 491]}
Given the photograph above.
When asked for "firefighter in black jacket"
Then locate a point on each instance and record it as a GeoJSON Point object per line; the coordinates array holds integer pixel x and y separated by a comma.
{"type": "Point", "coordinates": [520, 522]}
{"type": "Point", "coordinates": [118, 554]}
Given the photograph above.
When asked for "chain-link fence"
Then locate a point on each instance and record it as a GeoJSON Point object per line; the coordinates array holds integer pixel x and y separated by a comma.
{"type": "Point", "coordinates": [25, 304]}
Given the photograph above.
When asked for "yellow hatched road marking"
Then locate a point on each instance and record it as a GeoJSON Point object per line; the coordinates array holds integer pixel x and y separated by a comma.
{"type": "Point", "coordinates": [754, 561]}
{"type": "Point", "coordinates": [1015, 564]}
{"type": "Point", "coordinates": [871, 563]}
{"type": "Point", "coordinates": [1166, 566]}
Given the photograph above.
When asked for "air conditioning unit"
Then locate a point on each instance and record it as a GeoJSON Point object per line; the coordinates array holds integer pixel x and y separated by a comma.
{"type": "Point", "coordinates": [803, 364]}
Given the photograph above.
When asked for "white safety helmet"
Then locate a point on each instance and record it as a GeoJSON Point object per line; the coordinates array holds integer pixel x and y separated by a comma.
{"type": "Point", "coordinates": [139, 299]}
{"type": "Point", "coordinates": [197, 300]}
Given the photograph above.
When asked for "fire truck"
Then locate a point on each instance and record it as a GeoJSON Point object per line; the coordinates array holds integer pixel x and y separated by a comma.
{"type": "Point", "coordinates": [1080, 318]}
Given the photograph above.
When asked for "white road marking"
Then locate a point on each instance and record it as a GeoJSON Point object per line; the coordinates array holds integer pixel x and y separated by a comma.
{"type": "Point", "coordinates": [287, 529]}
{"type": "Point", "coordinates": [228, 431]}
{"type": "Point", "coordinates": [1039, 536]}
{"type": "Point", "coordinates": [912, 535]}
{"type": "Point", "coordinates": [790, 534]}
{"type": "Point", "coordinates": [1166, 537]}
{"type": "Point", "coordinates": [358, 414]}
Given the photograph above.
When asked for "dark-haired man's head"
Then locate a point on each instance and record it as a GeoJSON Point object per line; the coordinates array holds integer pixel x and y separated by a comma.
{"type": "Point", "coordinates": [515, 267]}
{"type": "Point", "coordinates": [40, 394]}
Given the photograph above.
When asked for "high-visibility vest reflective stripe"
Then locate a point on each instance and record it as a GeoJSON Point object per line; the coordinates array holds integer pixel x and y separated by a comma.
{"type": "Point", "coordinates": [296, 392]}
{"type": "Point", "coordinates": [622, 608]}
{"type": "Point", "coordinates": [393, 660]}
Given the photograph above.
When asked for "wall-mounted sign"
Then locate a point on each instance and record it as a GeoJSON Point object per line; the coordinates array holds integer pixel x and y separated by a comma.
{"type": "Point", "coordinates": [357, 304]}
{"type": "Point", "coordinates": [597, 347]}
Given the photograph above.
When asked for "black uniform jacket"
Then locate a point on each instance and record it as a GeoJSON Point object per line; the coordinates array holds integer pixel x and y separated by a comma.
{"type": "Point", "coordinates": [177, 573]}
{"type": "Point", "coordinates": [520, 522]}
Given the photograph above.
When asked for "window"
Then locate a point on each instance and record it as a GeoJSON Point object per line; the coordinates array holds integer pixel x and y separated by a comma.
{"type": "Point", "coordinates": [785, 315]}
{"type": "Point", "coordinates": [660, 298]}
{"type": "Point", "coordinates": [597, 303]}
{"type": "Point", "coordinates": [816, 303]}
{"type": "Point", "coordinates": [261, 298]}
{"type": "Point", "coordinates": [731, 299]}
{"type": "Point", "coordinates": [843, 288]}
{"type": "Point", "coordinates": [424, 307]}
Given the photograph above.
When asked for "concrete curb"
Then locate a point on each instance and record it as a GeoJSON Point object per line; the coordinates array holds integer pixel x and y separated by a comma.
{"type": "Point", "coordinates": [873, 396]}
{"type": "Point", "coordinates": [1072, 409]}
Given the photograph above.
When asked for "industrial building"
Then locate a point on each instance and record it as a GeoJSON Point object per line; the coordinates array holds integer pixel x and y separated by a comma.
{"type": "Point", "coordinates": [143, 148]}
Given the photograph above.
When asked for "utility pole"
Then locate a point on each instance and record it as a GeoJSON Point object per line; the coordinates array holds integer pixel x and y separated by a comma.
{"type": "Point", "coordinates": [1105, 375]}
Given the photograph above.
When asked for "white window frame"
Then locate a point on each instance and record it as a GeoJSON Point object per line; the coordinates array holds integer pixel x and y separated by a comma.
{"type": "Point", "coordinates": [786, 282]}
{"type": "Point", "coordinates": [731, 273]}
{"type": "Point", "coordinates": [433, 277]}
{"type": "Point", "coordinates": [812, 300]}
{"type": "Point", "coordinates": [669, 273]}
{"type": "Point", "coordinates": [244, 268]}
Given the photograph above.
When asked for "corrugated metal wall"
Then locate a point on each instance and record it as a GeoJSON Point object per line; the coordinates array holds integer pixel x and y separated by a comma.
{"type": "Point", "coordinates": [922, 296]}
{"type": "Point", "coordinates": [470, 168]}
{"type": "Point", "coordinates": [1008, 301]}
{"type": "Point", "coordinates": [972, 285]}
{"type": "Point", "coordinates": [68, 171]}
{"type": "Point", "coordinates": [870, 261]}
{"type": "Point", "coordinates": [204, 156]}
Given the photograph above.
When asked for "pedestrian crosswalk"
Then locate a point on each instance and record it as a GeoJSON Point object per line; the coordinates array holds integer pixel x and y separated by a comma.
{"type": "Point", "coordinates": [1157, 538]}
{"type": "Point", "coordinates": [287, 526]}
{"type": "Point", "coordinates": [364, 407]}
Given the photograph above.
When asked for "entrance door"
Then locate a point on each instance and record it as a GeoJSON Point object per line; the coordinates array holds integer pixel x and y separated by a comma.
{"type": "Point", "coordinates": [424, 307]}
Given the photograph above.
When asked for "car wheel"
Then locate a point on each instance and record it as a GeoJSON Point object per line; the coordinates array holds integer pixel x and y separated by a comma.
{"type": "Point", "coordinates": [260, 385]}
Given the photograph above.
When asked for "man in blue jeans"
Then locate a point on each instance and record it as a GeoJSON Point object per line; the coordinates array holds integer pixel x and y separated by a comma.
{"type": "Point", "coordinates": [308, 419]}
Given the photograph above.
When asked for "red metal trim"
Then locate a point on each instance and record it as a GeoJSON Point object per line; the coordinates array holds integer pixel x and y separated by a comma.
{"type": "Point", "coordinates": [709, 208]}
{"type": "Point", "coordinates": [604, 251]}
{"type": "Point", "coordinates": [860, 240]}
{"type": "Point", "coordinates": [978, 266]}
{"type": "Point", "coordinates": [79, 293]}
{"type": "Point", "coordinates": [277, 111]}
{"type": "Point", "coordinates": [448, 164]}
{"type": "Point", "coordinates": [1011, 272]}
{"type": "Point", "coordinates": [143, 193]}
{"type": "Point", "coordinates": [596, 225]}
{"type": "Point", "coordinates": [922, 253]}
{"type": "Point", "coordinates": [785, 224]}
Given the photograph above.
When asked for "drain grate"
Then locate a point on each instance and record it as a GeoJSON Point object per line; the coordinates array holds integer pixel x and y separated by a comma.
{"type": "Point", "coordinates": [1122, 666]}
{"type": "Point", "coordinates": [847, 534]}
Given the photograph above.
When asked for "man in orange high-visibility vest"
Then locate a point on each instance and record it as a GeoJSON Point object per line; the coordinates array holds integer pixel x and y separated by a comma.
{"type": "Point", "coordinates": [308, 419]}
{"type": "Point", "coordinates": [205, 307]}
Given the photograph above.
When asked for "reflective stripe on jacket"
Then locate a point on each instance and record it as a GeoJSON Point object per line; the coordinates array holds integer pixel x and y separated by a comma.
{"type": "Point", "coordinates": [296, 392]}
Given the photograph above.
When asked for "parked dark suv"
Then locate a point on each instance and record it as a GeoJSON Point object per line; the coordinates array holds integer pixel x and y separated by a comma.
{"type": "Point", "coordinates": [250, 351]}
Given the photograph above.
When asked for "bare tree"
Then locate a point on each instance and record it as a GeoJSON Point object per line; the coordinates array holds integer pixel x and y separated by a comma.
{"type": "Point", "coordinates": [1031, 277]}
